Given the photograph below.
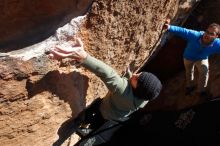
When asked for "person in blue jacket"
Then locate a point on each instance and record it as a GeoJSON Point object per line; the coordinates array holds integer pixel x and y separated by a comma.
{"type": "Point", "coordinates": [200, 45]}
{"type": "Point", "coordinates": [126, 95]}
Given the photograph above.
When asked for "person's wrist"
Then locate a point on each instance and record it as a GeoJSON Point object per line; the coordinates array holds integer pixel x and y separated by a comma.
{"type": "Point", "coordinates": [84, 56]}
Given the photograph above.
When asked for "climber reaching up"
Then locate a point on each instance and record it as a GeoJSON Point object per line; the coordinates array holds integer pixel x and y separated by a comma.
{"type": "Point", "coordinates": [200, 45]}
{"type": "Point", "coordinates": [126, 95]}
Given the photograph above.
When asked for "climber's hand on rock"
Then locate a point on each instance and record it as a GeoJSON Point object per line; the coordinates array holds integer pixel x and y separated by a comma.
{"type": "Point", "coordinates": [166, 24]}
{"type": "Point", "coordinates": [73, 51]}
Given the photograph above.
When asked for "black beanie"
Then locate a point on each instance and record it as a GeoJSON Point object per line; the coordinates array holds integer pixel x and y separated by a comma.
{"type": "Point", "coordinates": [148, 86]}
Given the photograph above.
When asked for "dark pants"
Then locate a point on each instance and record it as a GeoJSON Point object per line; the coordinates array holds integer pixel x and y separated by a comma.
{"type": "Point", "coordinates": [93, 116]}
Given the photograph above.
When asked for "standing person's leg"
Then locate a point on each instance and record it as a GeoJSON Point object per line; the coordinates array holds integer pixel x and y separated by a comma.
{"type": "Point", "coordinates": [189, 75]}
{"type": "Point", "coordinates": [203, 68]}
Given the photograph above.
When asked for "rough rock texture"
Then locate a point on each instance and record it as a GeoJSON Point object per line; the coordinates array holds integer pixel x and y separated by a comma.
{"type": "Point", "coordinates": [38, 96]}
{"type": "Point", "coordinates": [129, 30]}
{"type": "Point", "coordinates": [35, 99]}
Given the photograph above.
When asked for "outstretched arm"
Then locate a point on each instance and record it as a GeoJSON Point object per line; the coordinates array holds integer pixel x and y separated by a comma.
{"type": "Point", "coordinates": [187, 34]}
{"type": "Point", "coordinates": [76, 52]}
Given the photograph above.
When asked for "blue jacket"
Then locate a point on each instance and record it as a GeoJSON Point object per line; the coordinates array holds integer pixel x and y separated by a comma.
{"type": "Point", "coordinates": [195, 50]}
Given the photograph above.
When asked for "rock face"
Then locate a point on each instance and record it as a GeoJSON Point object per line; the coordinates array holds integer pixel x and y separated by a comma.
{"type": "Point", "coordinates": [36, 99]}
{"type": "Point", "coordinates": [37, 96]}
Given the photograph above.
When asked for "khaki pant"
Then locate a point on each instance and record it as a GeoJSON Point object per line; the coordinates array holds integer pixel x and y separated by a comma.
{"type": "Point", "coordinates": [203, 70]}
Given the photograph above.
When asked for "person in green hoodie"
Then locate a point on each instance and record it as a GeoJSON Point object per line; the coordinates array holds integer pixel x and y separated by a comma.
{"type": "Point", "coordinates": [125, 96]}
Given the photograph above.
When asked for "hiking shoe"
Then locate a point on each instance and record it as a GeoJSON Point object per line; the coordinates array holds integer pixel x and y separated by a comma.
{"type": "Point", "coordinates": [189, 90]}
{"type": "Point", "coordinates": [84, 129]}
{"type": "Point", "coordinates": [82, 132]}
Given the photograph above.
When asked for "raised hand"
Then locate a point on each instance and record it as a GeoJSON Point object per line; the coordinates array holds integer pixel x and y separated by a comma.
{"type": "Point", "coordinates": [74, 51]}
{"type": "Point", "coordinates": [166, 24]}
{"type": "Point", "coordinates": [68, 47]}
